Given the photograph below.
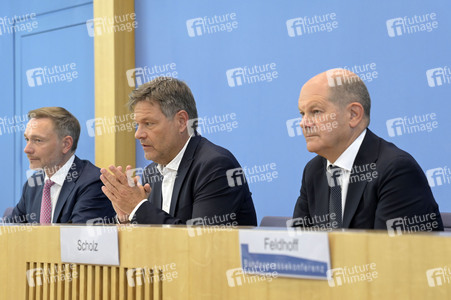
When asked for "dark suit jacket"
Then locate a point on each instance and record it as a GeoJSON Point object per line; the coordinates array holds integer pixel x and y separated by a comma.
{"type": "Point", "coordinates": [80, 199]}
{"type": "Point", "coordinates": [399, 189]}
{"type": "Point", "coordinates": [201, 190]}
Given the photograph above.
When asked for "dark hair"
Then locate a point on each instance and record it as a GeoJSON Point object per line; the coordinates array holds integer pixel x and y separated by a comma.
{"type": "Point", "coordinates": [65, 123]}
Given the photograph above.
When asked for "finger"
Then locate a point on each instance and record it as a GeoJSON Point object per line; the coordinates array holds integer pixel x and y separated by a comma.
{"type": "Point", "coordinates": [147, 189]}
{"type": "Point", "coordinates": [109, 194]}
{"type": "Point", "coordinates": [117, 172]}
{"type": "Point", "coordinates": [111, 185]}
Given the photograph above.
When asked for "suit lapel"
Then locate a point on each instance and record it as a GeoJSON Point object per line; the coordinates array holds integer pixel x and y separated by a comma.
{"type": "Point", "coordinates": [67, 188]}
{"type": "Point", "coordinates": [323, 191]}
{"type": "Point", "coordinates": [185, 164]}
{"type": "Point", "coordinates": [155, 196]}
{"type": "Point", "coordinates": [366, 155]}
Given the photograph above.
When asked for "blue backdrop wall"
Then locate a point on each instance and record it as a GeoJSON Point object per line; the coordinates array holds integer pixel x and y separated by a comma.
{"type": "Point", "coordinates": [246, 62]}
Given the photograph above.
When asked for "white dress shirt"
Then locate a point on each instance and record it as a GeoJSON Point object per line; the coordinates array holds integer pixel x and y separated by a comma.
{"type": "Point", "coordinates": [169, 173]}
{"type": "Point", "coordinates": [345, 161]}
{"type": "Point", "coordinates": [58, 178]}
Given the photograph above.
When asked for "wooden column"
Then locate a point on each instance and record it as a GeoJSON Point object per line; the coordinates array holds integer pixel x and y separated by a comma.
{"type": "Point", "coordinates": [114, 54]}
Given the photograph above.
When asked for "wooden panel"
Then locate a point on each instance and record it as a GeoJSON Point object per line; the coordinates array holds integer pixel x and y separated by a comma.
{"type": "Point", "coordinates": [167, 263]}
{"type": "Point", "coordinates": [114, 54]}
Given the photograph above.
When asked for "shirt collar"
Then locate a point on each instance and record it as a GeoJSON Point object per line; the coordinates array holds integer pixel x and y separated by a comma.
{"type": "Point", "coordinates": [346, 159]}
{"type": "Point", "coordinates": [60, 176]}
{"type": "Point", "coordinates": [174, 164]}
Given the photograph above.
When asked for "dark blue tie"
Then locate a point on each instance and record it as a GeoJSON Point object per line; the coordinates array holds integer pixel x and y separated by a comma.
{"type": "Point", "coordinates": [335, 181]}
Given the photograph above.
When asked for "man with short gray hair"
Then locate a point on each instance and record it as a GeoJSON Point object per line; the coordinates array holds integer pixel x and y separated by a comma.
{"type": "Point", "coordinates": [190, 178]}
{"type": "Point", "coordinates": [358, 180]}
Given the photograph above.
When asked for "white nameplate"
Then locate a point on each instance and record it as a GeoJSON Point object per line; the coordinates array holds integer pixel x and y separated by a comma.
{"type": "Point", "coordinates": [280, 252]}
{"type": "Point", "coordinates": [89, 245]}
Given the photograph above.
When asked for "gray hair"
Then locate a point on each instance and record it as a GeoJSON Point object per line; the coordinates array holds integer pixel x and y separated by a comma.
{"type": "Point", "coordinates": [170, 93]}
{"type": "Point", "coordinates": [351, 89]}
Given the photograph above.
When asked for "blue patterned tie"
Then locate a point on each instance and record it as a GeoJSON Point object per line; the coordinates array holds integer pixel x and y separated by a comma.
{"type": "Point", "coordinates": [335, 182]}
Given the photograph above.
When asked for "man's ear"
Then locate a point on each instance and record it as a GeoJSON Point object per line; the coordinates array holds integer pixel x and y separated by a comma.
{"type": "Point", "coordinates": [68, 141]}
{"type": "Point", "coordinates": [181, 118]}
{"type": "Point", "coordinates": [356, 114]}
